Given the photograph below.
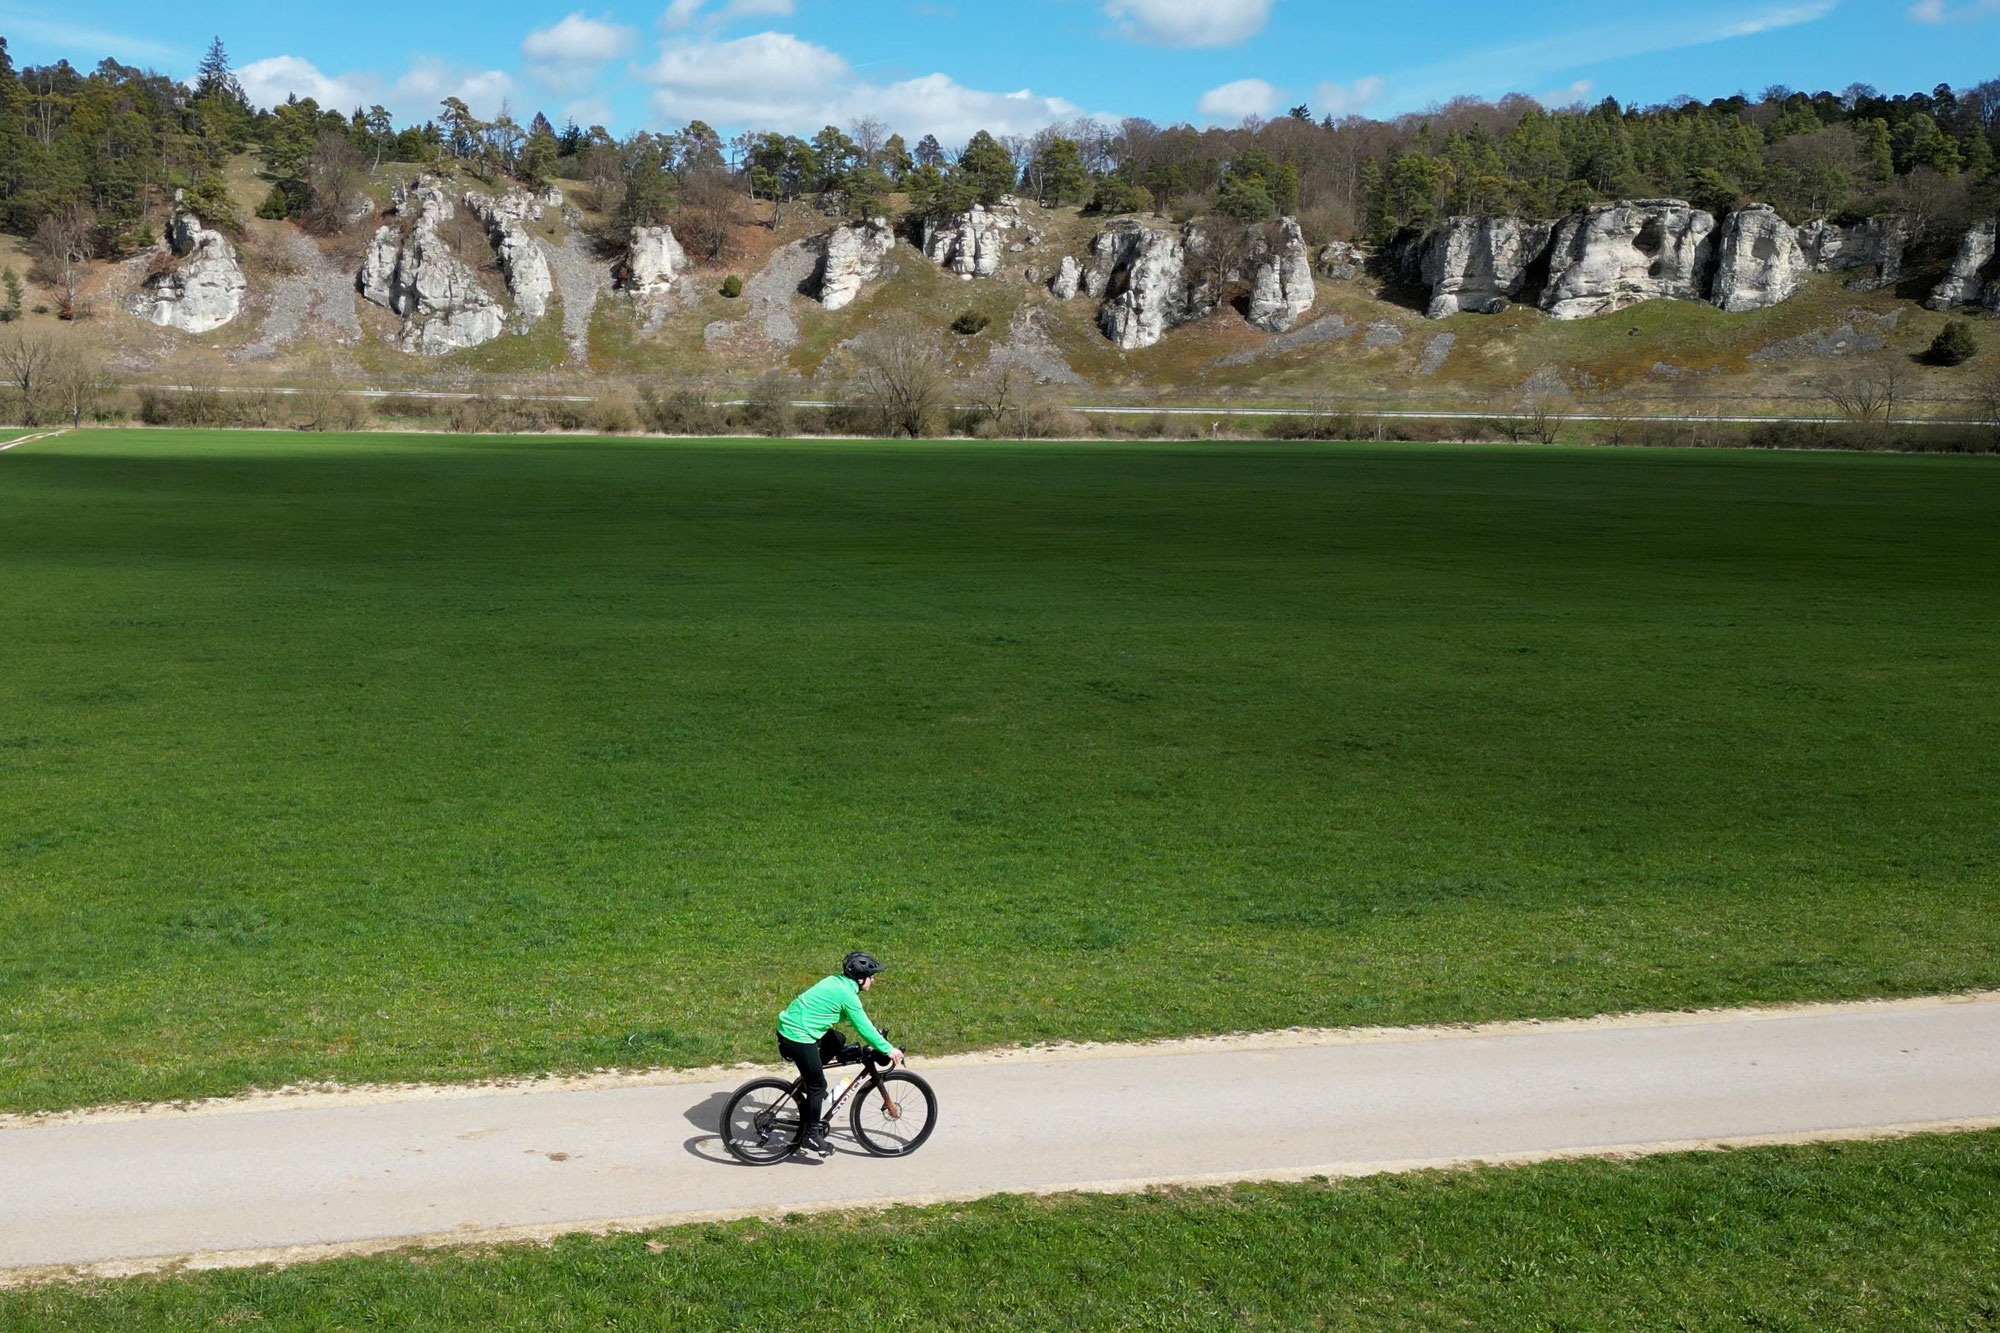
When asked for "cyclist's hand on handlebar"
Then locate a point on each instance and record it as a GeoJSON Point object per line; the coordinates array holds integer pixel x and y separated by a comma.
{"type": "Point", "coordinates": [896, 1056]}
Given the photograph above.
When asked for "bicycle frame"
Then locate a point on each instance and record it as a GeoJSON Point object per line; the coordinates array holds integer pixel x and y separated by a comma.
{"type": "Point", "coordinates": [838, 1097]}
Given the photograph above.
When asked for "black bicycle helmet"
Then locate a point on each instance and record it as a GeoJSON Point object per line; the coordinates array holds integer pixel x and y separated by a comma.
{"type": "Point", "coordinates": [859, 966]}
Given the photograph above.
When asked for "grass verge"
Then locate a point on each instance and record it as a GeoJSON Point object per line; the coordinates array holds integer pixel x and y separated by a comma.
{"type": "Point", "coordinates": [379, 757]}
{"type": "Point", "coordinates": [1893, 1235]}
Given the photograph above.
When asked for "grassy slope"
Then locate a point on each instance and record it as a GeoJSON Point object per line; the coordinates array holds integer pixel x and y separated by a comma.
{"type": "Point", "coordinates": [381, 757]}
{"type": "Point", "coordinates": [1860, 1236]}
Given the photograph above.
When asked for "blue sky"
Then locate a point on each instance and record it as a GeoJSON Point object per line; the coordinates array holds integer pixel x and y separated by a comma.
{"type": "Point", "coordinates": [951, 66]}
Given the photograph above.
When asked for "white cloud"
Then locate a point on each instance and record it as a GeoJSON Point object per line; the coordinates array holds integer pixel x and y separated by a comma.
{"type": "Point", "coordinates": [1935, 11]}
{"type": "Point", "coordinates": [774, 80]}
{"type": "Point", "coordinates": [73, 39]}
{"type": "Point", "coordinates": [270, 81]}
{"type": "Point", "coordinates": [1189, 22]}
{"type": "Point", "coordinates": [1237, 101]}
{"type": "Point", "coordinates": [767, 78]}
{"type": "Point", "coordinates": [1494, 70]}
{"type": "Point", "coordinates": [1569, 96]}
{"type": "Point", "coordinates": [567, 57]}
{"type": "Point", "coordinates": [1778, 18]}
{"type": "Point", "coordinates": [412, 97]}
{"type": "Point", "coordinates": [578, 40]}
{"type": "Point", "coordinates": [681, 14]}
{"type": "Point", "coordinates": [1334, 99]}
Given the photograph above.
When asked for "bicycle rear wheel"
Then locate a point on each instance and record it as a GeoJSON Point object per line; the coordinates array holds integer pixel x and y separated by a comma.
{"type": "Point", "coordinates": [763, 1122]}
{"type": "Point", "coordinates": [895, 1114]}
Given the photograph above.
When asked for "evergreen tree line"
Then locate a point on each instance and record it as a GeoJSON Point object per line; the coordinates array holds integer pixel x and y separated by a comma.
{"type": "Point", "coordinates": [86, 159]}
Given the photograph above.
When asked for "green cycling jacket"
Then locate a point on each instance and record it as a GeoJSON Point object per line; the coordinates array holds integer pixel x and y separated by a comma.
{"type": "Point", "coordinates": [825, 1003]}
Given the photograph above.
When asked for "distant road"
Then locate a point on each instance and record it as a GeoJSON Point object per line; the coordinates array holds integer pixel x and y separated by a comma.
{"type": "Point", "coordinates": [300, 1177]}
{"type": "Point", "coordinates": [1146, 410]}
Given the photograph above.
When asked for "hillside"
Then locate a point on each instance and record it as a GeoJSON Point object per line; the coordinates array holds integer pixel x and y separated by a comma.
{"type": "Point", "coordinates": [1362, 342]}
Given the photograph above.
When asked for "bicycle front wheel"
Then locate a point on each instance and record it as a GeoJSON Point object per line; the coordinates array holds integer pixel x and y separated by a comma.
{"type": "Point", "coordinates": [763, 1122]}
{"type": "Point", "coordinates": [895, 1115]}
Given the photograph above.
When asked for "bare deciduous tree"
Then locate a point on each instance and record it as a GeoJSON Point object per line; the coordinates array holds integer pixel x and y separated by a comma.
{"type": "Point", "coordinates": [29, 362]}
{"type": "Point", "coordinates": [79, 385]}
{"type": "Point", "coordinates": [1003, 401]}
{"type": "Point", "coordinates": [904, 377]}
{"type": "Point", "coordinates": [1867, 395]}
{"type": "Point", "coordinates": [335, 174]}
{"type": "Point", "coordinates": [62, 246]}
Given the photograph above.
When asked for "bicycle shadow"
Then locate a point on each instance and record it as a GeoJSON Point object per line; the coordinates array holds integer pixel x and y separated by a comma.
{"type": "Point", "coordinates": [706, 1115]}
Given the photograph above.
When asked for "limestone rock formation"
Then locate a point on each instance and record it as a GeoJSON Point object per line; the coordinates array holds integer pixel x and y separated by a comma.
{"type": "Point", "coordinates": [204, 289]}
{"type": "Point", "coordinates": [1068, 279]}
{"type": "Point", "coordinates": [1480, 263]}
{"type": "Point", "coordinates": [1140, 275]}
{"type": "Point", "coordinates": [1282, 282]}
{"type": "Point", "coordinates": [415, 274]}
{"type": "Point", "coordinates": [972, 244]}
{"type": "Point", "coordinates": [1343, 261]}
{"type": "Point", "coordinates": [1974, 278]}
{"type": "Point", "coordinates": [854, 256]}
{"type": "Point", "coordinates": [526, 267]}
{"type": "Point", "coordinates": [1610, 256]}
{"type": "Point", "coordinates": [1875, 244]}
{"type": "Point", "coordinates": [1758, 262]}
{"type": "Point", "coordinates": [653, 260]}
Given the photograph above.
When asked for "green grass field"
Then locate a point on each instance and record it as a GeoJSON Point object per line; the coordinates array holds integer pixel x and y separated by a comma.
{"type": "Point", "coordinates": [383, 757]}
{"type": "Point", "coordinates": [1891, 1236]}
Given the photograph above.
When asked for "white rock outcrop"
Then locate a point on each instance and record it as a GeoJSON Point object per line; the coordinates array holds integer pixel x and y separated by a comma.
{"type": "Point", "coordinates": [1139, 273]}
{"type": "Point", "coordinates": [1874, 244]}
{"type": "Point", "coordinates": [204, 288]}
{"type": "Point", "coordinates": [1281, 284]}
{"type": "Point", "coordinates": [1479, 264]}
{"type": "Point", "coordinates": [854, 256]}
{"type": "Point", "coordinates": [653, 260]}
{"type": "Point", "coordinates": [973, 244]}
{"type": "Point", "coordinates": [522, 260]}
{"type": "Point", "coordinates": [1611, 256]}
{"type": "Point", "coordinates": [415, 274]}
{"type": "Point", "coordinates": [1343, 261]}
{"type": "Point", "coordinates": [1974, 279]}
{"type": "Point", "coordinates": [1068, 279]}
{"type": "Point", "coordinates": [1758, 261]}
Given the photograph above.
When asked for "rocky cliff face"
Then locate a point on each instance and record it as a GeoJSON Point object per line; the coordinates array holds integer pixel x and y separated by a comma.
{"type": "Point", "coordinates": [204, 289]}
{"type": "Point", "coordinates": [1281, 285]}
{"type": "Point", "coordinates": [1974, 278]}
{"type": "Point", "coordinates": [974, 244]}
{"type": "Point", "coordinates": [1758, 262]}
{"type": "Point", "coordinates": [1614, 255]}
{"type": "Point", "coordinates": [1480, 264]}
{"type": "Point", "coordinates": [1342, 261]}
{"type": "Point", "coordinates": [1141, 275]}
{"type": "Point", "coordinates": [415, 274]}
{"type": "Point", "coordinates": [1874, 246]}
{"type": "Point", "coordinates": [854, 256]}
{"type": "Point", "coordinates": [653, 260]}
{"type": "Point", "coordinates": [1611, 256]}
{"type": "Point", "coordinates": [521, 258]}
{"type": "Point", "coordinates": [1068, 279]}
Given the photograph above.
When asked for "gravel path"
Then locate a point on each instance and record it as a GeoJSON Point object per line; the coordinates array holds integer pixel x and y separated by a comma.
{"type": "Point", "coordinates": [243, 1181]}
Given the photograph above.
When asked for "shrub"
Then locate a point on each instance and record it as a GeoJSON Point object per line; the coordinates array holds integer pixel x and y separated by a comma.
{"type": "Point", "coordinates": [684, 412]}
{"type": "Point", "coordinates": [732, 286]}
{"type": "Point", "coordinates": [612, 416]}
{"type": "Point", "coordinates": [1953, 346]}
{"type": "Point", "coordinates": [403, 407]}
{"type": "Point", "coordinates": [1117, 195]}
{"type": "Point", "coordinates": [971, 322]}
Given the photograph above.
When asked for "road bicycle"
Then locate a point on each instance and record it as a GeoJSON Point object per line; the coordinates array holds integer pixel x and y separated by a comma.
{"type": "Point", "coordinates": [894, 1111]}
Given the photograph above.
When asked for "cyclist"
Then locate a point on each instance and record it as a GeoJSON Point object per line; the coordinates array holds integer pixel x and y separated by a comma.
{"type": "Point", "coordinates": [806, 1037]}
